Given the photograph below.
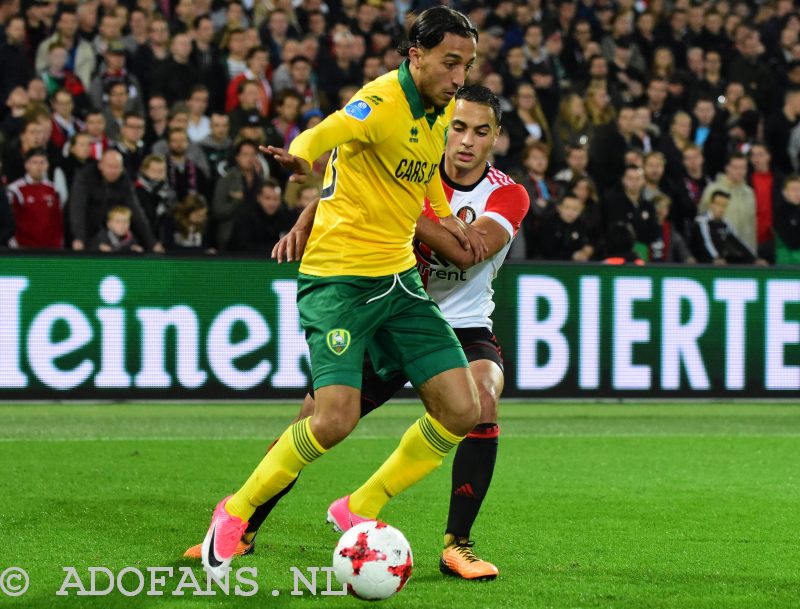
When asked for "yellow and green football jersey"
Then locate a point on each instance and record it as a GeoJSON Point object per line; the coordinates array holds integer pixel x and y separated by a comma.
{"type": "Point", "coordinates": [385, 161]}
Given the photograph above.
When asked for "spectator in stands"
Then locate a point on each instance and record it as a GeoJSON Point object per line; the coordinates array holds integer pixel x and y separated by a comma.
{"type": "Point", "coordinates": [32, 137]}
{"type": "Point", "coordinates": [14, 57]}
{"type": "Point", "coordinates": [778, 130]}
{"type": "Point", "coordinates": [710, 134]}
{"type": "Point", "coordinates": [284, 127]}
{"type": "Point", "coordinates": [572, 127]}
{"type": "Point", "coordinates": [175, 77]}
{"type": "Point", "coordinates": [179, 121]}
{"type": "Point", "coordinates": [787, 223]}
{"type": "Point", "coordinates": [307, 194]}
{"type": "Point", "coordinates": [237, 190]}
{"type": "Point", "coordinates": [6, 219]}
{"type": "Point", "coordinates": [98, 188]}
{"type": "Point", "coordinates": [562, 234]}
{"type": "Point", "coordinates": [542, 190]}
{"type": "Point", "coordinates": [114, 109]}
{"type": "Point", "coordinates": [714, 239]}
{"type": "Point", "coordinates": [87, 21]}
{"type": "Point", "coordinates": [740, 209]}
{"type": "Point", "coordinates": [186, 229]}
{"type": "Point", "coordinates": [235, 53]}
{"type": "Point", "coordinates": [116, 71]}
{"type": "Point", "coordinates": [339, 69]}
{"type": "Point", "coordinates": [673, 145]}
{"type": "Point", "coordinates": [303, 81]}
{"type": "Point", "coordinates": [57, 77]}
{"type": "Point", "coordinates": [628, 205]}
{"type": "Point", "coordinates": [257, 228]}
{"type": "Point", "coordinates": [606, 156]}
{"type": "Point", "coordinates": [116, 236]}
{"type": "Point", "coordinates": [184, 175]}
{"type": "Point", "coordinates": [78, 155]}
{"type": "Point", "coordinates": [153, 193]}
{"type": "Point", "coordinates": [157, 120]}
{"type": "Point", "coordinates": [65, 123]}
{"type": "Point", "coordinates": [656, 183]}
{"type": "Point", "coordinates": [207, 58]}
{"type": "Point", "coordinates": [138, 31]}
{"type": "Point", "coordinates": [694, 182]}
{"type": "Point", "coordinates": [81, 57]}
{"type": "Point", "coordinates": [645, 133]}
{"type": "Point", "coordinates": [109, 32]}
{"type": "Point", "coordinates": [543, 193]}
{"type": "Point", "coordinates": [38, 210]}
{"type": "Point", "coordinates": [247, 105]}
{"type": "Point", "coordinates": [148, 59]}
{"type": "Point", "coordinates": [766, 184]}
{"type": "Point", "coordinates": [96, 128]}
{"type": "Point", "coordinates": [17, 104]}
{"type": "Point", "coordinates": [621, 245]}
{"type": "Point", "coordinates": [526, 125]}
{"type": "Point", "coordinates": [576, 164]}
{"type": "Point", "coordinates": [216, 146]}
{"type": "Point", "coordinates": [199, 126]}
{"type": "Point", "coordinates": [670, 246]}
{"type": "Point", "coordinates": [130, 144]}
{"type": "Point", "coordinates": [257, 60]}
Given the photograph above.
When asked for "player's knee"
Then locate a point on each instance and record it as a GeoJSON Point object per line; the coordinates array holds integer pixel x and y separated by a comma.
{"type": "Point", "coordinates": [334, 422]}
{"type": "Point", "coordinates": [488, 398]}
{"type": "Point", "coordinates": [488, 409]}
{"type": "Point", "coordinates": [468, 411]}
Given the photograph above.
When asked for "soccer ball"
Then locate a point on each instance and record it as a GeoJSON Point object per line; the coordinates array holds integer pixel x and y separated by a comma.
{"type": "Point", "coordinates": [373, 560]}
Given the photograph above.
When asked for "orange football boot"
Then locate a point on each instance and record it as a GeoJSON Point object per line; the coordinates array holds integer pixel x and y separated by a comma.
{"type": "Point", "coordinates": [458, 559]}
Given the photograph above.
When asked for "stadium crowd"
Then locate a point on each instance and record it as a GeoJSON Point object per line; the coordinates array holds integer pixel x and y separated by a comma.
{"type": "Point", "coordinates": [668, 131]}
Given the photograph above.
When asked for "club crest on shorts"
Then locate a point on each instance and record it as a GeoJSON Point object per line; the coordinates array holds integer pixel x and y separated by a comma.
{"type": "Point", "coordinates": [338, 340]}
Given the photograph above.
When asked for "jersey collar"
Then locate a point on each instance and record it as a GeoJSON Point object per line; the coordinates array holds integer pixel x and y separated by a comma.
{"type": "Point", "coordinates": [413, 96]}
{"type": "Point", "coordinates": [460, 187]}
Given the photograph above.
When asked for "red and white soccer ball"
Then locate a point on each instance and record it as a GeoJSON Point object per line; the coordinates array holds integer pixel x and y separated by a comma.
{"type": "Point", "coordinates": [373, 560]}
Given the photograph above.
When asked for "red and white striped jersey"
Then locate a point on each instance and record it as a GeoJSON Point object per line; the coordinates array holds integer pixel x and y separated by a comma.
{"type": "Point", "coordinates": [465, 297]}
{"type": "Point", "coordinates": [38, 213]}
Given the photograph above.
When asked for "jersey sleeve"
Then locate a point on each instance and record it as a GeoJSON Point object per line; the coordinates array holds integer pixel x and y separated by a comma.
{"type": "Point", "coordinates": [437, 199]}
{"type": "Point", "coordinates": [507, 206]}
{"type": "Point", "coordinates": [363, 119]}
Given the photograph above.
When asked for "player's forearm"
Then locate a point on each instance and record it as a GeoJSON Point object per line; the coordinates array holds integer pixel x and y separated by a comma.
{"type": "Point", "coordinates": [443, 243]}
{"type": "Point", "coordinates": [330, 133]}
{"type": "Point", "coordinates": [306, 218]}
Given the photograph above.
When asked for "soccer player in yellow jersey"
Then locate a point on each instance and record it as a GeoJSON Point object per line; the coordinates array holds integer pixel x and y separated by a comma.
{"type": "Point", "coordinates": [358, 288]}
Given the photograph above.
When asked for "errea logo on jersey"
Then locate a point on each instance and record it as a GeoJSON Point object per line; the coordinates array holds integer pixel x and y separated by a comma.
{"type": "Point", "coordinates": [358, 109]}
{"type": "Point", "coordinates": [414, 133]}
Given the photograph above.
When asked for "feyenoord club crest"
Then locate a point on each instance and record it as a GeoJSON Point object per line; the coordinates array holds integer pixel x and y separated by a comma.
{"type": "Point", "coordinates": [338, 340]}
{"type": "Point", "coordinates": [466, 214]}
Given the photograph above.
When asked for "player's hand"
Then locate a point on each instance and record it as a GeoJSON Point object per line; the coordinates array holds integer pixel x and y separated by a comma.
{"type": "Point", "coordinates": [300, 169]}
{"type": "Point", "coordinates": [470, 238]}
{"type": "Point", "coordinates": [291, 246]}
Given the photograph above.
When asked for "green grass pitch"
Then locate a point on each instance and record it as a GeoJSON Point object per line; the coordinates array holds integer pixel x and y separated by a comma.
{"type": "Point", "coordinates": [634, 506]}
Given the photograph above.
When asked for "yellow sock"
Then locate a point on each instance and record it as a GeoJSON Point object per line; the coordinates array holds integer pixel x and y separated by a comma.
{"type": "Point", "coordinates": [421, 450]}
{"type": "Point", "coordinates": [295, 449]}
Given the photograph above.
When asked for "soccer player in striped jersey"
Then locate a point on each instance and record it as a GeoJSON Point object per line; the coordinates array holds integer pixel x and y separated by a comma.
{"type": "Point", "coordinates": [485, 196]}
{"type": "Point", "coordinates": [358, 289]}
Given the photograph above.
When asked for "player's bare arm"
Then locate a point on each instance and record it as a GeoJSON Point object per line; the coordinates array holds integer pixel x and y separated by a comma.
{"type": "Point", "coordinates": [299, 167]}
{"type": "Point", "coordinates": [292, 245]}
{"type": "Point", "coordinates": [492, 235]}
{"type": "Point", "coordinates": [470, 239]}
